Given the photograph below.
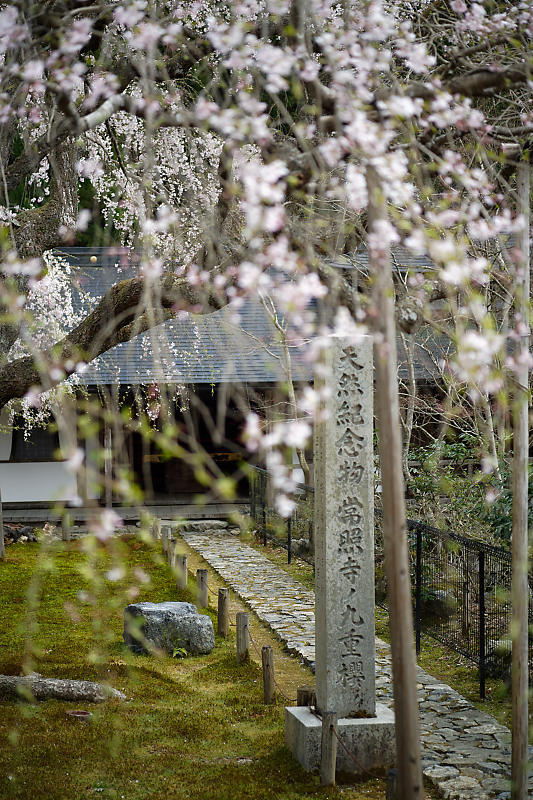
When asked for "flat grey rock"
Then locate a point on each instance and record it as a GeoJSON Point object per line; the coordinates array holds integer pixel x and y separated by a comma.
{"type": "Point", "coordinates": [439, 772]}
{"type": "Point", "coordinates": [461, 787]}
{"type": "Point", "coordinates": [167, 626]}
{"type": "Point", "coordinates": [197, 524]}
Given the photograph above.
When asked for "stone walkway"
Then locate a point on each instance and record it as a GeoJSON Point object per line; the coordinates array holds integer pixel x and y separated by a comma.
{"type": "Point", "coordinates": [466, 752]}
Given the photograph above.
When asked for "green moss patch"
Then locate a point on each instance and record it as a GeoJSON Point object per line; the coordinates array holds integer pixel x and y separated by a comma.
{"type": "Point", "coordinates": [191, 728]}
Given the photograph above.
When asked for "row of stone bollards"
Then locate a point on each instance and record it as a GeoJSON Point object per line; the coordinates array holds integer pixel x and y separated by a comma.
{"type": "Point", "coordinates": [179, 566]}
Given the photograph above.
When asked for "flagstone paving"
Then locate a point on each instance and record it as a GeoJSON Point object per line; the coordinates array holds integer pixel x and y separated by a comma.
{"type": "Point", "coordinates": [466, 752]}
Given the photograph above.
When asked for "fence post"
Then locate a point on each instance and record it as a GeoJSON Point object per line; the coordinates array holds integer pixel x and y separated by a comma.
{"type": "Point", "coordinates": [243, 637]}
{"type": "Point", "coordinates": [181, 570]}
{"type": "Point", "coordinates": [482, 624]}
{"type": "Point", "coordinates": [267, 659]}
{"type": "Point", "coordinates": [306, 696]}
{"type": "Point", "coordinates": [253, 498]}
{"type": "Point", "coordinates": [289, 539]}
{"type": "Point", "coordinates": [171, 552]}
{"type": "Point", "coordinates": [108, 466]}
{"type": "Point", "coordinates": [165, 532]}
{"type": "Point", "coordinates": [2, 541]}
{"type": "Point", "coordinates": [391, 785]}
{"type": "Point", "coordinates": [328, 757]}
{"type": "Point", "coordinates": [66, 526]}
{"type": "Point", "coordinates": [418, 589]}
{"type": "Point", "coordinates": [465, 593]}
{"type": "Point", "coordinates": [263, 504]}
{"type": "Point", "coordinates": [202, 597]}
{"type": "Point", "coordinates": [223, 615]}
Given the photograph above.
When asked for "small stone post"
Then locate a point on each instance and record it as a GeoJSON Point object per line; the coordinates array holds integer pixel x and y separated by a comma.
{"type": "Point", "coordinates": [305, 696]}
{"type": "Point", "coordinates": [202, 595]}
{"type": "Point", "coordinates": [165, 534]}
{"type": "Point", "coordinates": [328, 748]}
{"type": "Point", "coordinates": [243, 637]}
{"type": "Point", "coordinates": [223, 613]}
{"type": "Point", "coordinates": [181, 570]}
{"type": "Point", "coordinates": [267, 659]}
{"type": "Point", "coordinates": [171, 552]}
{"type": "Point", "coordinates": [66, 526]}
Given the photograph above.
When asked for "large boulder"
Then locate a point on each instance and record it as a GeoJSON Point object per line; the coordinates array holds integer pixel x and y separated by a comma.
{"type": "Point", "coordinates": [167, 626]}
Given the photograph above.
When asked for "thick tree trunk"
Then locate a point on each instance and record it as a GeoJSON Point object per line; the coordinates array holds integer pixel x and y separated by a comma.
{"type": "Point", "coordinates": [410, 786]}
{"type": "Point", "coordinates": [34, 687]}
{"type": "Point", "coordinates": [519, 586]}
{"type": "Point", "coordinates": [38, 229]}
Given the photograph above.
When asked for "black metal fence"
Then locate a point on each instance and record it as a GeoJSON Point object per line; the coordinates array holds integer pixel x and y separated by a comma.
{"type": "Point", "coordinates": [291, 533]}
{"type": "Point", "coordinates": [461, 587]}
{"type": "Point", "coordinates": [462, 596]}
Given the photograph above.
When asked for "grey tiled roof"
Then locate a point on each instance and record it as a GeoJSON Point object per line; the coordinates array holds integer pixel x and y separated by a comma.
{"type": "Point", "coordinates": [402, 259]}
{"type": "Point", "coordinates": [209, 349]}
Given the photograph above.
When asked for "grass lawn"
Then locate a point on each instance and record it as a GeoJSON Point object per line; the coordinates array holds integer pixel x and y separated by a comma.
{"type": "Point", "coordinates": [191, 728]}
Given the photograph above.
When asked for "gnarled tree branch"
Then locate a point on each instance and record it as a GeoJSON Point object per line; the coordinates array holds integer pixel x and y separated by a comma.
{"type": "Point", "coordinates": [127, 309]}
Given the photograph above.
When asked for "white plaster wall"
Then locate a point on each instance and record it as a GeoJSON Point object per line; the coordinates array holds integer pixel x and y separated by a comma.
{"type": "Point", "coordinates": [36, 482]}
{"type": "Point", "coordinates": [6, 433]}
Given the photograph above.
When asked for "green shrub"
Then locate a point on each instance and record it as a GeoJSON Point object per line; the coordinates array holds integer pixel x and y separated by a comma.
{"type": "Point", "coordinates": [499, 514]}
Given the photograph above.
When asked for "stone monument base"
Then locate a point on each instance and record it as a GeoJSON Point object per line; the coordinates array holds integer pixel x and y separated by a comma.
{"type": "Point", "coordinates": [371, 739]}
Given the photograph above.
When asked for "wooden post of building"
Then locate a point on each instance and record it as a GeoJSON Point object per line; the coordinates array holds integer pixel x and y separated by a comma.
{"type": "Point", "coordinates": [306, 696]}
{"type": "Point", "coordinates": [223, 613]}
{"type": "Point", "coordinates": [2, 541]}
{"type": "Point", "coordinates": [108, 465]}
{"type": "Point", "coordinates": [181, 570]}
{"type": "Point", "coordinates": [65, 526]}
{"type": "Point", "coordinates": [243, 637]}
{"type": "Point", "coordinates": [267, 658]}
{"type": "Point", "coordinates": [328, 755]}
{"type": "Point", "coordinates": [156, 529]}
{"type": "Point", "coordinates": [202, 596]}
{"type": "Point", "coordinates": [165, 531]}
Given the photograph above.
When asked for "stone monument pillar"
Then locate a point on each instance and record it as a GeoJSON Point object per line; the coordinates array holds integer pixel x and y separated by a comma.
{"type": "Point", "coordinates": [344, 568]}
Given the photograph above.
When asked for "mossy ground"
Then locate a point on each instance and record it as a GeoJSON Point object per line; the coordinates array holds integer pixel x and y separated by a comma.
{"type": "Point", "coordinates": [191, 728]}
